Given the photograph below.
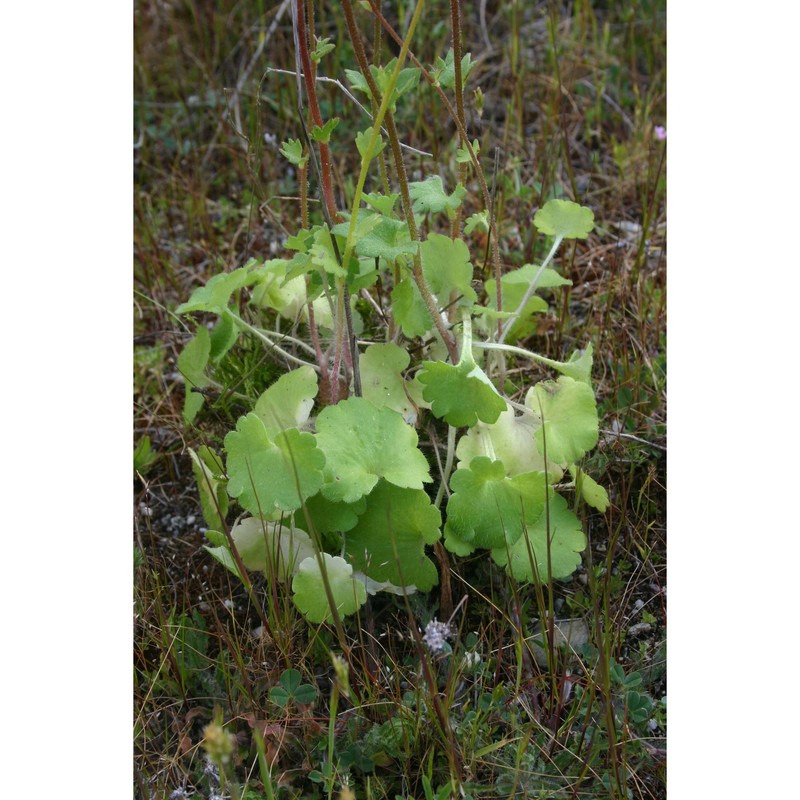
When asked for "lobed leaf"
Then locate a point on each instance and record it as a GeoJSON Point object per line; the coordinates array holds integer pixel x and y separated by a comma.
{"type": "Point", "coordinates": [265, 475]}
{"type": "Point", "coordinates": [567, 540]}
{"type": "Point", "coordinates": [460, 394]}
{"type": "Point", "coordinates": [388, 543]}
{"type": "Point", "coordinates": [565, 219]}
{"type": "Point", "coordinates": [568, 419]}
{"type": "Point", "coordinates": [488, 509]}
{"type": "Point", "coordinates": [363, 443]}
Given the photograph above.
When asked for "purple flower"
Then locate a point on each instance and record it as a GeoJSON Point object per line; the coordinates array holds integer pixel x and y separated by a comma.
{"type": "Point", "coordinates": [436, 633]}
{"type": "Point", "coordinates": [660, 132]}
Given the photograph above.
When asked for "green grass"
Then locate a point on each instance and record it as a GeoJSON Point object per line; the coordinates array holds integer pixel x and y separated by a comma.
{"type": "Point", "coordinates": [571, 97]}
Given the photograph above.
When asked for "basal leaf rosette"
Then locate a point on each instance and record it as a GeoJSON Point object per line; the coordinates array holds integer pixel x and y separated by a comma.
{"type": "Point", "coordinates": [528, 558]}
{"type": "Point", "coordinates": [308, 586]}
{"type": "Point", "coordinates": [265, 473]}
{"type": "Point", "coordinates": [388, 542]}
{"type": "Point", "coordinates": [363, 443]}
{"type": "Point", "coordinates": [567, 412]}
{"type": "Point", "coordinates": [488, 509]}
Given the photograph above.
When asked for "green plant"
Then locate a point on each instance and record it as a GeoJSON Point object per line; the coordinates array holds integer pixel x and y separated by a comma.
{"type": "Point", "coordinates": [338, 503]}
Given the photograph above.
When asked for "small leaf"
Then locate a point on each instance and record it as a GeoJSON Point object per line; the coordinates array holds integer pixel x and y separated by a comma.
{"type": "Point", "coordinates": [381, 202]}
{"type": "Point", "coordinates": [216, 294]}
{"type": "Point", "coordinates": [478, 221]}
{"type": "Point", "coordinates": [323, 47]}
{"type": "Point", "coordinates": [208, 468]}
{"type": "Point", "coordinates": [591, 491]}
{"type": "Point", "coordinates": [362, 143]}
{"type": "Point", "coordinates": [565, 219]}
{"type": "Point", "coordinates": [463, 156]}
{"type": "Point", "coordinates": [323, 134]}
{"type": "Point", "coordinates": [292, 151]}
{"type": "Point", "coordinates": [429, 196]}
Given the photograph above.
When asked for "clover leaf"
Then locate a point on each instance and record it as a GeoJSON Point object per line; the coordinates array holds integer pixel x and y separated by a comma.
{"type": "Point", "coordinates": [568, 414]}
{"type": "Point", "coordinates": [388, 543]}
{"type": "Point", "coordinates": [363, 443]}
{"type": "Point", "coordinates": [291, 689]}
{"type": "Point", "coordinates": [564, 219]}
{"type": "Point", "coordinates": [265, 474]}
{"type": "Point", "coordinates": [308, 586]}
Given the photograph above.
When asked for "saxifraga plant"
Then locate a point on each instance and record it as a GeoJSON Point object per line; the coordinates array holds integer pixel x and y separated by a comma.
{"type": "Point", "coordinates": [342, 504]}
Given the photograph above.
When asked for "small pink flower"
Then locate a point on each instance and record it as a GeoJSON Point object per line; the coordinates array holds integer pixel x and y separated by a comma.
{"type": "Point", "coordinates": [660, 132]}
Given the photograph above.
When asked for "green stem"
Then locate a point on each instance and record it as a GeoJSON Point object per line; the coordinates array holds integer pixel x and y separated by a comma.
{"type": "Point", "coordinates": [529, 293]}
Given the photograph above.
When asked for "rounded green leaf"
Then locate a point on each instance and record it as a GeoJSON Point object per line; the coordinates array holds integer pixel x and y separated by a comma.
{"type": "Point", "coordinates": [388, 543]}
{"type": "Point", "coordinates": [288, 402]}
{"type": "Point", "coordinates": [568, 412]}
{"type": "Point", "coordinates": [382, 382]}
{"type": "Point", "coordinates": [567, 540]}
{"type": "Point", "coordinates": [487, 509]}
{"type": "Point", "coordinates": [460, 394]}
{"type": "Point", "coordinates": [310, 597]}
{"type": "Point", "coordinates": [363, 443]}
{"type": "Point", "coordinates": [264, 474]}
{"type": "Point", "coordinates": [511, 439]}
{"type": "Point", "coordinates": [565, 219]}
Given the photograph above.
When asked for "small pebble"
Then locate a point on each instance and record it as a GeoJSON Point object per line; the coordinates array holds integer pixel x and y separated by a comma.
{"type": "Point", "coordinates": [640, 628]}
{"type": "Point", "coordinates": [190, 519]}
{"type": "Point", "coordinates": [638, 605]}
